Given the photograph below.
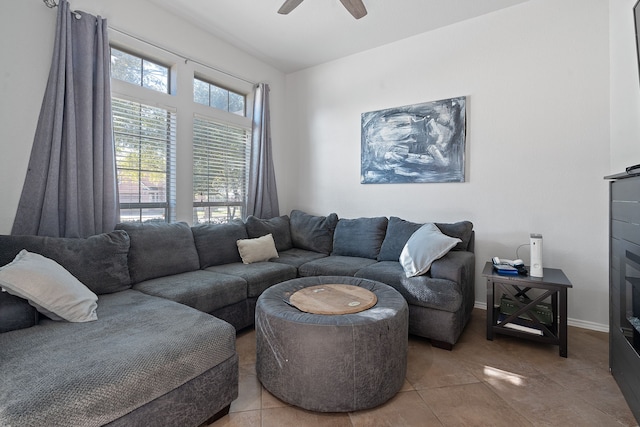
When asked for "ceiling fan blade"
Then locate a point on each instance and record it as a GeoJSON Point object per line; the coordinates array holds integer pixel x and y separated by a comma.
{"type": "Point", "coordinates": [355, 7]}
{"type": "Point", "coordinates": [288, 6]}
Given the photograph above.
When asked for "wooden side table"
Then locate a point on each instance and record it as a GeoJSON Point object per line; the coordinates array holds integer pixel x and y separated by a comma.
{"type": "Point", "coordinates": [553, 285]}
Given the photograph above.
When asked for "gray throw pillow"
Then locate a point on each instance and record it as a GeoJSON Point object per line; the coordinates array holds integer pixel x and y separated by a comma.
{"type": "Point", "coordinates": [100, 261]}
{"type": "Point", "coordinates": [360, 237]}
{"type": "Point", "coordinates": [313, 233]}
{"type": "Point", "coordinates": [216, 243]}
{"type": "Point", "coordinates": [398, 233]}
{"type": "Point", "coordinates": [278, 227]}
{"type": "Point", "coordinates": [160, 249]}
{"type": "Point", "coordinates": [462, 230]}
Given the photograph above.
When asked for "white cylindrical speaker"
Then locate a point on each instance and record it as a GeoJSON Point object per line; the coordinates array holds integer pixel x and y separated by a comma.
{"type": "Point", "coordinates": [536, 255]}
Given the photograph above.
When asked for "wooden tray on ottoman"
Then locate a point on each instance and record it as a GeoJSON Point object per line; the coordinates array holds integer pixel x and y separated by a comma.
{"type": "Point", "coordinates": [333, 299]}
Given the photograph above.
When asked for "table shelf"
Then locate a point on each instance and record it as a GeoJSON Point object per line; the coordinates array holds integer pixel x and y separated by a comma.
{"type": "Point", "coordinates": [552, 286]}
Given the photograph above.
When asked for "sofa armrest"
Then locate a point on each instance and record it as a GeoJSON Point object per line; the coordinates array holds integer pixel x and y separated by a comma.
{"type": "Point", "coordinates": [457, 266]}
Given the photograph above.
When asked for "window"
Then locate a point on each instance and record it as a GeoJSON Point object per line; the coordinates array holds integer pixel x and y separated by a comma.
{"type": "Point", "coordinates": [220, 154]}
{"type": "Point", "coordinates": [139, 71]}
{"type": "Point", "coordinates": [217, 97]}
{"type": "Point", "coordinates": [145, 138]}
{"type": "Point", "coordinates": [182, 135]}
{"type": "Point", "coordinates": [145, 160]}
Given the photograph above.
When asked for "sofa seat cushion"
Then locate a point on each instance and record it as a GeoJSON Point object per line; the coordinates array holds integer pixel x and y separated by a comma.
{"type": "Point", "coordinates": [296, 257]}
{"type": "Point", "coordinates": [160, 249]}
{"type": "Point", "coordinates": [89, 374]}
{"type": "Point", "coordinates": [258, 275]}
{"type": "Point", "coordinates": [423, 291]}
{"type": "Point", "coordinates": [334, 265]}
{"type": "Point", "coordinates": [203, 290]}
{"type": "Point", "coordinates": [99, 262]}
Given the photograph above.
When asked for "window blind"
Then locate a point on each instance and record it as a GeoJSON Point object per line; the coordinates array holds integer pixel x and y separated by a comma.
{"type": "Point", "coordinates": [145, 139]}
{"type": "Point", "coordinates": [220, 153]}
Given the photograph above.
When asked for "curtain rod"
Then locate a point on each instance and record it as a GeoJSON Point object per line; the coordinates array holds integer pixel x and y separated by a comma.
{"type": "Point", "coordinates": [52, 4]}
{"type": "Point", "coordinates": [186, 59]}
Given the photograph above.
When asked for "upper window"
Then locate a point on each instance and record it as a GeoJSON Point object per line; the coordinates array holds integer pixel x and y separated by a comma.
{"type": "Point", "coordinates": [218, 97]}
{"type": "Point", "coordinates": [139, 71]}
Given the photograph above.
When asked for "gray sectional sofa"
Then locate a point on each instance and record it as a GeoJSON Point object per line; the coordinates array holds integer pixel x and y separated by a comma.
{"type": "Point", "coordinates": [170, 299]}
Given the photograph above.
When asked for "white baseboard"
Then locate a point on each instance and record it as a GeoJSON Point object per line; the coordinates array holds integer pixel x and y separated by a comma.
{"type": "Point", "coordinates": [588, 325]}
{"type": "Point", "coordinates": [571, 322]}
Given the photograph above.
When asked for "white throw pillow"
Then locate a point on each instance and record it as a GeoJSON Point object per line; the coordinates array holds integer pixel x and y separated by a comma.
{"type": "Point", "coordinates": [259, 249]}
{"type": "Point", "coordinates": [425, 245]}
{"type": "Point", "coordinates": [51, 289]}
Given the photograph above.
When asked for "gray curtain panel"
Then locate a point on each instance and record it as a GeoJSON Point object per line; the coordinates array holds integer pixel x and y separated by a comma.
{"type": "Point", "coordinates": [70, 188]}
{"type": "Point", "coordinates": [262, 196]}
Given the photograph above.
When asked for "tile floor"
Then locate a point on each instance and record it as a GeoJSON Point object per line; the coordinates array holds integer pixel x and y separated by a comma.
{"type": "Point", "coordinates": [504, 382]}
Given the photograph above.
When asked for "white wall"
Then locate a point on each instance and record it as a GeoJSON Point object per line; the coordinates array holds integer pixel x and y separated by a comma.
{"type": "Point", "coordinates": [26, 32]}
{"type": "Point", "coordinates": [625, 87]}
{"type": "Point", "coordinates": [536, 77]}
{"type": "Point", "coordinates": [26, 45]}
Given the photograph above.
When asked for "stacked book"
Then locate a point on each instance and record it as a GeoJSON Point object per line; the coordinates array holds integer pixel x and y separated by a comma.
{"type": "Point", "coordinates": [505, 269]}
{"type": "Point", "coordinates": [542, 311]}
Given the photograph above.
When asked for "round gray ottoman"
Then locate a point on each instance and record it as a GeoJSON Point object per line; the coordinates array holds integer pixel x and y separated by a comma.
{"type": "Point", "coordinates": [331, 363]}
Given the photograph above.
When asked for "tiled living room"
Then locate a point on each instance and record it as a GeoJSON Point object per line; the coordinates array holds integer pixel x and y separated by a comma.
{"type": "Point", "coordinates": [479, 122]}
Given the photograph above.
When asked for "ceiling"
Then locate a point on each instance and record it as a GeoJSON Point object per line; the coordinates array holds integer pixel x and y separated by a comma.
{"type": "Point", "coordinates": [319, 31]}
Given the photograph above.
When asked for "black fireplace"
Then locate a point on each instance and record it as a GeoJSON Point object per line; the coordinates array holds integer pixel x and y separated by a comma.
{"type": "Point", "coordinates": [624, 285]}
{"type": "Point", "coordinates": [630, 299]}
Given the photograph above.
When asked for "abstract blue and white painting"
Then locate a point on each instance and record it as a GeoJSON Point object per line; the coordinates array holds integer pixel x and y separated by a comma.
{"type": "Point", "coordinates": [415, 143]}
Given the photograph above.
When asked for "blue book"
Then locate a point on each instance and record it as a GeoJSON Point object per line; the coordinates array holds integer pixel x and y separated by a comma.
{"type": "Point", "coordinates": [506, 270]}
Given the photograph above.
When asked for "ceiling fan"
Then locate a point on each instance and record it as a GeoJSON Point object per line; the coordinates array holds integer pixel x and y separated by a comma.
{"type": "Point", "coordinates": [355, 7]}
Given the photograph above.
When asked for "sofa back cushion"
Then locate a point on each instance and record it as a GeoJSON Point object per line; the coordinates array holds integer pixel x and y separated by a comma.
{"type": "Point", "coordinates": [313, 233]}
{"type": "Point", "coordinates": [463, 230]}
{"type": "Point", "coordinates": [278, 227]}
{"type": "Point", "coordinates": [16, 313]}
{"type": "Point", "coordinates": [160, 249]}
{"type": "Point", "coordinates": [99, 262]}
{"type": "Point", "coordinates": [425, 246]}
{"type": "Point", "coordinates": [216, 243]}
{"type": "Point", "coordinates": [360, 237]}
{"type": "Point", "coordinates": [398, 233]}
